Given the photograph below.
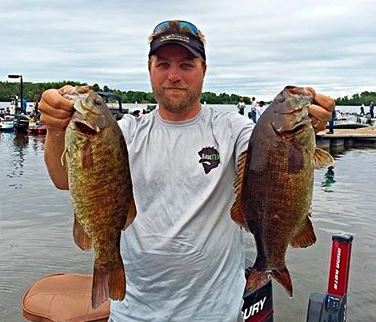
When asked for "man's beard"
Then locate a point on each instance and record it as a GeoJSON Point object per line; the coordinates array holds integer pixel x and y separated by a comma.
{"type": "Point", "coordinates": [174, 105]}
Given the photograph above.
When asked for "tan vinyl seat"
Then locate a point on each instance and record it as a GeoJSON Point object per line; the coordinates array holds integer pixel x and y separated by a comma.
{"type": "Point", "coordinates": [62, 297]}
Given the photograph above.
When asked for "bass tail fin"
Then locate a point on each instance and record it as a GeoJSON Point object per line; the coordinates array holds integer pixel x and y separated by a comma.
{"type": "Point", "coordinates": [117, 283]}
{"type": "Point", "coordinates": [108, 284]}
{"type": "Point", "coordinates": [282, 276]}
{"type": "Point", "coordinates": [256, 279]}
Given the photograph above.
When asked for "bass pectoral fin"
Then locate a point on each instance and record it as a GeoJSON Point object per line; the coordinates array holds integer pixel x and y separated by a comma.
{"type": "Point", "coordinates": [81, 239]}
{"type": "Point", "coordinates": [322, 159]}
{"type": "Point", "coordinates": [305, 236]}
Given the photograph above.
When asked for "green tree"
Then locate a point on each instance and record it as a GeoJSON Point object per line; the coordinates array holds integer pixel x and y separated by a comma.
{"type": "Point", "coordinates": [33, 91]}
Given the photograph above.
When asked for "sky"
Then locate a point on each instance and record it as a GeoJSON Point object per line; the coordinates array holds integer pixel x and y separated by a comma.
{"type": "Point", "coordinates": [254, 48]}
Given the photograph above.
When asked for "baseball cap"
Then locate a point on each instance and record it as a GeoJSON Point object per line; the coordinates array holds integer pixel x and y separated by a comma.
{"type": "Point", "coordinates": [178, 32]}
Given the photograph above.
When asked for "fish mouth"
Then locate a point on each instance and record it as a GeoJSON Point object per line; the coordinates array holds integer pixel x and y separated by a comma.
{"type": "Point", "coordinates": [87, 120]}
{"type": "Point", "coordinates": [84, 128]}
{"type": "Point", "coordinates": [298, 128]}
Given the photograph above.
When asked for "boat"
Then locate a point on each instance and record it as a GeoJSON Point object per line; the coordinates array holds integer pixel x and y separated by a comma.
{"type": "Point", "coordinates": [150, 107]}
{"type": "Point", "coordinates": [7, 123]}
{"type": "Point", "coordinates": [37, 129]}
{"type": "Point", "coordinates": [349, 125]}
{"type": "Point", "coordinates": [114, 103]}
{"type": "Point", "coordinates": [349, 121]}
{"type": "Point", "coordinates": [21, 123]}
{"type": "Point", "coordinates": [67, 296]}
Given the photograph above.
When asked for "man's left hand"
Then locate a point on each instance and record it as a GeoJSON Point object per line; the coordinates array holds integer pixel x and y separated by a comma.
{"type": "Point", "coordinates": [321, 110]}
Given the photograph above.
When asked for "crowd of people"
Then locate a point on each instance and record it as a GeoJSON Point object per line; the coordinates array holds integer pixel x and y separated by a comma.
{"type": "Point", "coordinates": [255, 108]}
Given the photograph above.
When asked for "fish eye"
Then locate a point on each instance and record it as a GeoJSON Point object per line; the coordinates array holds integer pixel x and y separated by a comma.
{"type": "Point", "coordinates": [98, 101]}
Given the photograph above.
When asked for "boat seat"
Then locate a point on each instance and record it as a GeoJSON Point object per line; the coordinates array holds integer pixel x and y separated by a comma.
{"type": "Point", "coordinates": [62, 297]}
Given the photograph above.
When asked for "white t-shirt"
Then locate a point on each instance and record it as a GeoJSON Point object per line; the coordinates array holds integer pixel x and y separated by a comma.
{"type": "Point", "coordinates": [184, 256]}
{"type": "Point", "coordinates": [259, 111]}
{"type": "Point", "coordinates": [253, 105]}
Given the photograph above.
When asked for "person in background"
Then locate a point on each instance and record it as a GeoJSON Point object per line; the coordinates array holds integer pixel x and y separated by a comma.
{"type": "Point", "coordinates": [260, 108]}
{"type": "Point", "coordinates": [368, 119]}
{"type": "Point", "coordinates": [24, 105]}
{"type": "Point", "coordinates": [331, 122]}
{"type": "Point", "coordinates": [183, 255]}
{"type": "Point", "coordinates": [241, 106]}
{"type": "Point", "coordinates": [362, 113]}
{"type": "Point", "coordinates": [252, 113]}
{"type": "Point", "coordinates": [371, 109]}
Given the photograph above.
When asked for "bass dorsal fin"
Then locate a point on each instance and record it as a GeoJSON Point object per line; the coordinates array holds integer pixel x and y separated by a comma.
{"type": "Point", "coordinates": [236, 211]}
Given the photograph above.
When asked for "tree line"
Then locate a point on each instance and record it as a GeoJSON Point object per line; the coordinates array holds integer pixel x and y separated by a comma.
{"type": "Point", "coordinates": [357, 99]}
{"type": "Point", "coordinates": [33, 91]}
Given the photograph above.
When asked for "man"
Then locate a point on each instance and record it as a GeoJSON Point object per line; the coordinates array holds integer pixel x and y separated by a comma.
{"type": "Point", "coordinates": [252, 113]}
{"type": "Point", "coordinates": [331, 122]}
{"type": "Point", "coordinates": [183, 255]}
{"type": "Point", "coordinates": [241, 106]}
{"type": "Point", "coordinates": [260, 108]}
{"type": "Point", "coordinates": [371, 109]}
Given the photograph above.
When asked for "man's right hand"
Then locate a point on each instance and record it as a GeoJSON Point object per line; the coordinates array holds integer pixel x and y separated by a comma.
{"type": "Point", "coordinates": [56, 111]}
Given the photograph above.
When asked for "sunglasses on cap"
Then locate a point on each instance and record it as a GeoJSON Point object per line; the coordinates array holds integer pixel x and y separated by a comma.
{"type": "Point", "coordinates": [180, 25]}
{"type": "Point", "coordinates": [178, 32]}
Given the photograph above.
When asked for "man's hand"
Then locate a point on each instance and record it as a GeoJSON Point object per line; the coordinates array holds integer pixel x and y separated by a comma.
{"type": "Point", "coordinates": [56, 110]}
{"type": "Point", "coordinates": [321, 110]}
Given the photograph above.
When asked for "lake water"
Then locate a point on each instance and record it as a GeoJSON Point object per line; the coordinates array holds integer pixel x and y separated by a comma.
{"type": "Point", "coordinates": [36, 225]}
{"type": "Point", "coordinates": [227, 107]}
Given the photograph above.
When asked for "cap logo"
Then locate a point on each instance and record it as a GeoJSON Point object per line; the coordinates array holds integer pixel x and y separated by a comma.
{"type": "Point", "coordinates": [178, 37]}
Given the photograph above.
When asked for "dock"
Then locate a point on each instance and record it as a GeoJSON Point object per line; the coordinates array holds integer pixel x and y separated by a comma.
{"type": "Point", "coordinates": [342, 139]}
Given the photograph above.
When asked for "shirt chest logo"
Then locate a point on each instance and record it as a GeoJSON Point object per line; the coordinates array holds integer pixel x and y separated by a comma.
{"type": "Point", "coordinates": [209, 158]}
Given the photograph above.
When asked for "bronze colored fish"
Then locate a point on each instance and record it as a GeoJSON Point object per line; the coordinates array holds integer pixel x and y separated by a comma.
{"type": "Point", "coordinates": [275, 184]}
{"type": "Point", "coordinates": [100, 186]}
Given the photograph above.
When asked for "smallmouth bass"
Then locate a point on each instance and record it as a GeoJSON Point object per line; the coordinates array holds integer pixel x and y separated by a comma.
{"type": "Point", "coordinates": [100, 187]}
{"type": "Point", "coordinates": [275, 185]}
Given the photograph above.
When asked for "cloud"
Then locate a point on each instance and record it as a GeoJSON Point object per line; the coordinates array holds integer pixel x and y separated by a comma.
{"type": "Point", "coordinates": [252, 49]}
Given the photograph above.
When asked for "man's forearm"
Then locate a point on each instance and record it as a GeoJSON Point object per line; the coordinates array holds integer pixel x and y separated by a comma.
{"type": "Point", "coordinates": [53, 150]}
